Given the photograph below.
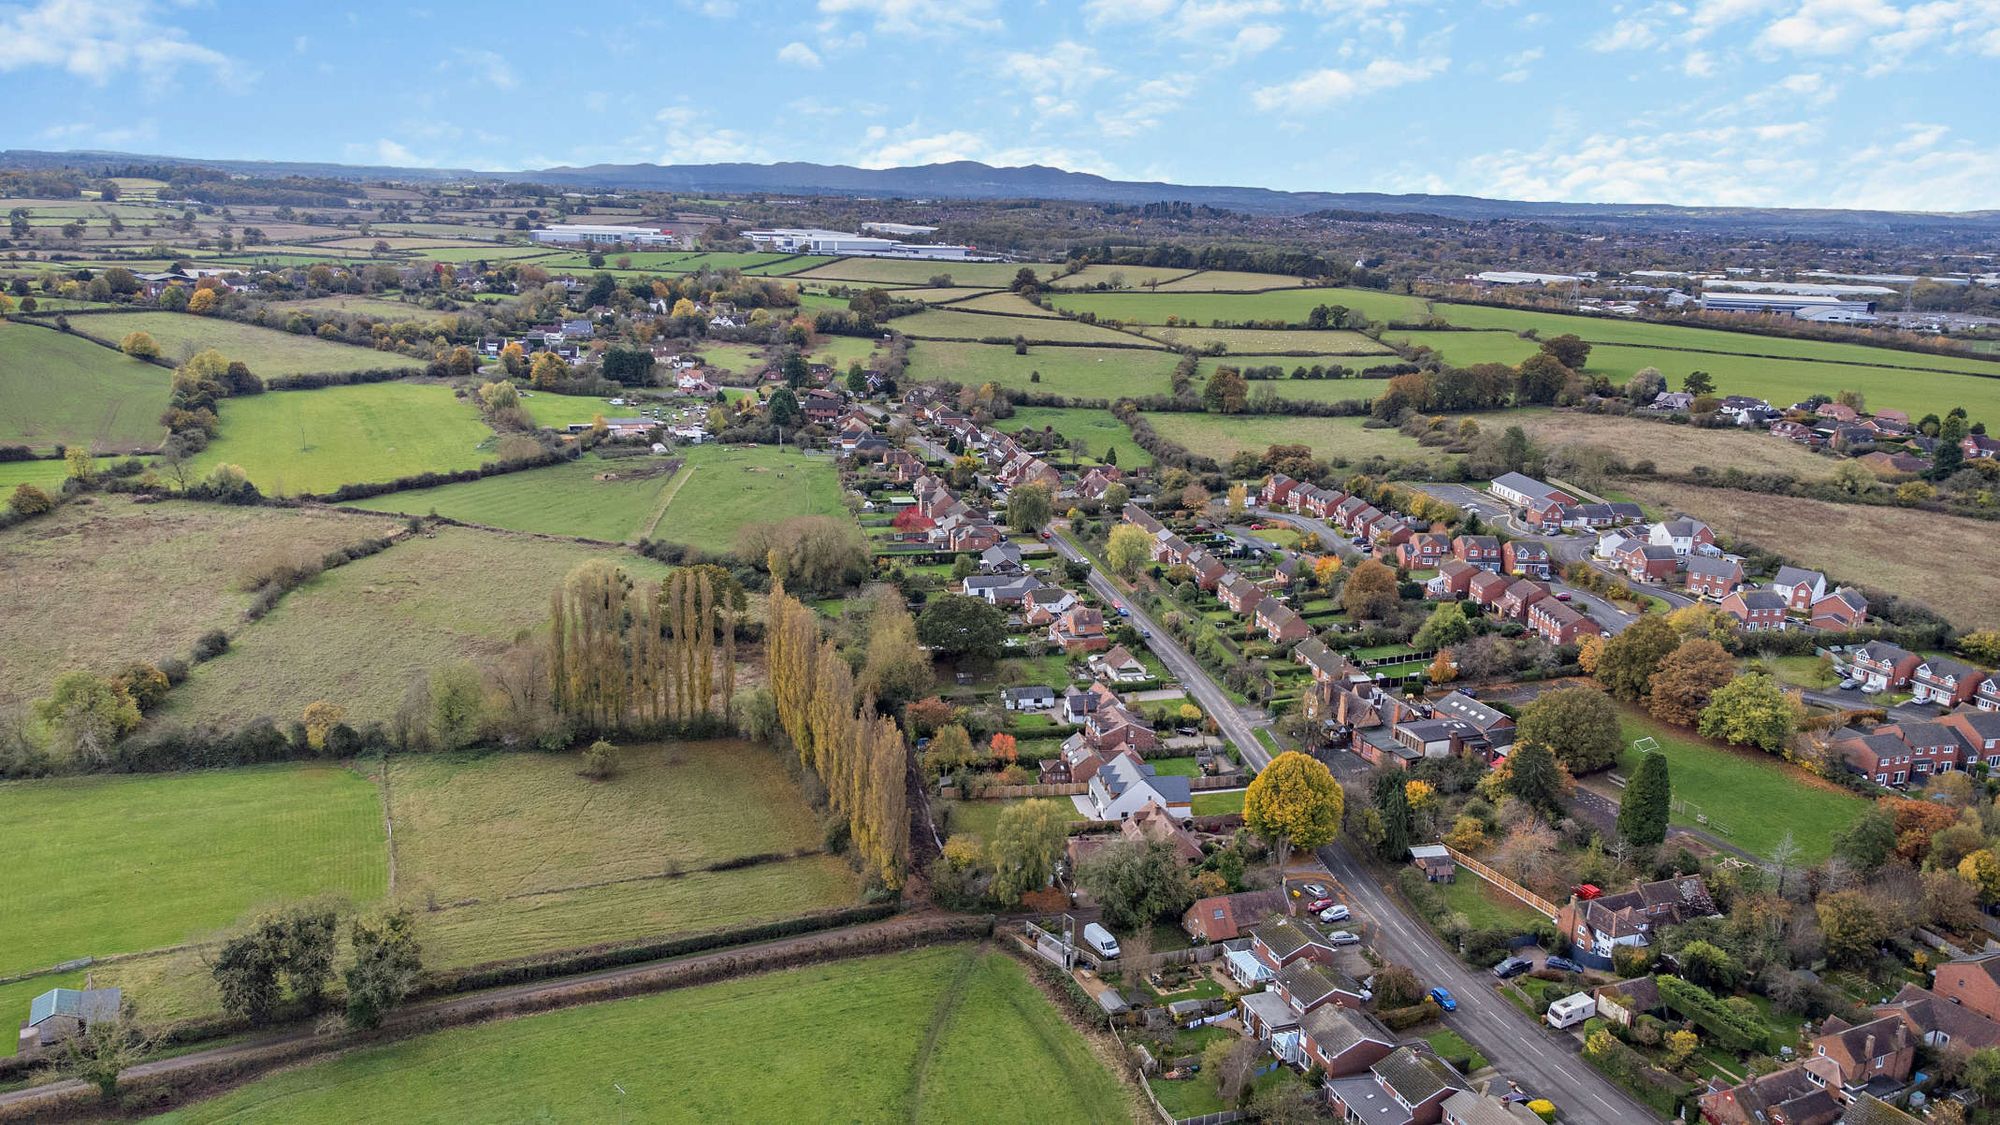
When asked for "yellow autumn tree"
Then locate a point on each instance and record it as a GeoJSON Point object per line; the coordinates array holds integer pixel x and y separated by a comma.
{"type": "Point", "coordinates": [1294, 803]}
{"type": "Point", "coordinates": [319, 718]}
{"type": "Point", "coordinates": [1981, 868]}
{"type": "Point", "coordinates": [201, 301]}
{"type": "Point", "coordinates": [549, 370]}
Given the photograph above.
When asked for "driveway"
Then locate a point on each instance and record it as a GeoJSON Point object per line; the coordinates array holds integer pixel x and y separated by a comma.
{"type": "Point", "coordinates": [1543, 1061]}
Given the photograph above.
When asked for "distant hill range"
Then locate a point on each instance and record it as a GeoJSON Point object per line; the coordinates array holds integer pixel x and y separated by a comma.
{"type": "Point", "coordinates": [966, 179]}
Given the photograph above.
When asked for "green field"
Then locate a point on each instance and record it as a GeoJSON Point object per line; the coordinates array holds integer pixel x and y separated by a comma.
{"type": "Point", "coordinates": [268, 351]}
{"type": "Point", "coordinates": [1099, 430]}
{"type": "Point", "coordinates": [952, 1034]}
{"type": "Point", "coordinates": [1003, 302]}
{"type": "Point", "coordinates": [358, 635]}
{"type": "Point", "coordinates": [722, 488]}
{"type": "Point", "coordinates": [737, 359]}
{"type": "Point", "coordinates": [1755, 797]}
{"type": "Point", "coordinates": [1289, 306]}
{"type": "Point", "coordinates": [1785, 381]}
{"type": "Point", "coordinates": [947, 324]}
{"type": "Point", "coordinates": [121, 864]}
{"type": "Point", "coordinates": [1107, 373]}
{"type": "Point", "coordinates": [375, 308]}
{"type": "Point", "coordinates": [1226, 281]}
{"type": "Point", "coordinates": [498, 252]}
{"type": "Point", "coordinates": [1485, 907]}
{"type": "Point", "coordinates": [1463, 349]}
{"type": "Point", "coordinates": [291, 442]}
{"type": "Point", "coordinates": [1118, 277]}
{"type": "Point", "coordinates": [58, 389]}
{"type": "Point", "coordinates": [1222, 436]}
{"type": "Point", "coordinates": [64, 569]}
{"type": "Point", "coordinates": [883, 271]}
{"type": "Point", "coordinates": [559, 411]}
{"type": "Point", "coordinates": [1273, 341]}
{"type": "Point", "coordinates": [563, 499]}
{"type": "Point", "coordinates": [839, 351]}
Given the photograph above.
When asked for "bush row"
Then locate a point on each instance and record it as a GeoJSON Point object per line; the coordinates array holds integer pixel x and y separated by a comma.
{"type": "Point", "coordinates": [362, 491]}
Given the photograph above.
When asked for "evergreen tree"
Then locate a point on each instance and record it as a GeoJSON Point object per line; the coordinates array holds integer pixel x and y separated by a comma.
{"type": "Point", "coordinates": [1643, 811]}
{"type": "Point", "coordinates": [1393, 802]}
{"type": "Point", "coordinates": [1532, 776]}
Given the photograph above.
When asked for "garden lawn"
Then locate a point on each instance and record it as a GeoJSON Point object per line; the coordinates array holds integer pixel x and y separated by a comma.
{"type": "Point", "coordinates": [722, 488]}
{"type": "Point", "coordinates": [268, 351]}
{"type": "Point", "coordinates": [1217, 802]}
{"type": "Point", "coordinates": [106, 865]}
{"type": "Point", "coordinates": [981, 818]}
{"type": "Point", "coordinates": [949, 1034]}
{"type": "Point", "coordinates": [59, 575]}
{"type": "Point", "coordinates": [1079, 372]}
{"type": "Point", "coordinates": [60, 389]}
{"type": "Point", "coordinates": [1287, 306]}
{"type": "Point", "coordinates": [1098, 429]}
{"type": "Point", "coordinates": [360, 634]}
{"type": "Point", "coordinates": [1756, 797]}
{"type": "Point", "coordinates": [292, 442]}
{"type": "Point", "coordinates": [1485, 907]}
{"type": "Point", "coordinates": [565, 499]}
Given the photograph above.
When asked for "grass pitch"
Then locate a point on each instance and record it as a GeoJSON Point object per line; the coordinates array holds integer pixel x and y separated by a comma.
{"type": "Point", "coordinates": [291, 442]}
{"type": "Point", "coordinates": [938, 1035]}
{"type": "Point", "coordinates": [118, 864]}
{"type": "Point", "coordinates": [59, 389]}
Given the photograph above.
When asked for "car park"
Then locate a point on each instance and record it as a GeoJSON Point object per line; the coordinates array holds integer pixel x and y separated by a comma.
{"type": "Point", "coordinates": [1512, 967]}
{"type": "Point", "coordinates": [1444, 999]}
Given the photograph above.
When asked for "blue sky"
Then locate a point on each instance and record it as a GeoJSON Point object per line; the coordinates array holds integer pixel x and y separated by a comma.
{"type": "Point", "coordinates": [1840, 103]}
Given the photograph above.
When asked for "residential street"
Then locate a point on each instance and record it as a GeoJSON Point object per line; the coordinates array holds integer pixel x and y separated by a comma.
{"type": "Point", "coordinates": [1545, 1062]}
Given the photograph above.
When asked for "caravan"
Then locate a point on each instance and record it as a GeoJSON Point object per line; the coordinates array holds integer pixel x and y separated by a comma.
{"type": "Point", "coordinates": [1571, 1010]}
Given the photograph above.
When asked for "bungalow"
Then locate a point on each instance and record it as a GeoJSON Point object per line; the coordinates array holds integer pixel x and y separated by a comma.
{"type": "Point", "coordinates": [1118, 666]}
{"type": "Point", "coordinates": [1452, 580]}
{"type": "Point", "coordinates": [1595, 926]}
{"type": "Point", "coordinates": [1000, 589]}
{"type": "Point", "coordinates": [1944, 681]}
{"type": "Point", "coordinates": [1001, 558]}
{"type": "Point", "coordinates": [1153, 824]}
{"type": "Point", "coordinates": [1478, 1107]}
{"type": "Point", "coordinates": [1030, 697]}
{"type": "Point", "coordinates": [1672, 401]}
{"type": "Point", "coordinates": [1885, 464]}
{"type": "Point", "coordinates": [1685, 536]}
{"type": "Point", "coordinates": [1125, 785]}
{"type": "Point", "coordinates": [1525, 559]}
{"type": "Point", "coordinates": [1879, 664]}
{"type": "Point", "coordinates": [1559, 624]}
{"type": "Point", "coordinates": [1800, 588]}
{"type": "Point", "coordinates": [1518, 491]}
{"type": "Point", "coordinates": [1519, 595]}
{"type": "Point", "coordinates": [1079, 629]}
{"type": "Point", "coordinates": [1228, 917]}
{"type": "Point", "coordinates": [1425, 550]}
{"type": "Point", "coordinates": [1756, 610]}
{"type": "Point", "coordinates": [1482, 551]}
{"type": "Point", "coordinates": [1980, 447]}
{"type": "Point", "coordinates": [1485, 589]}
{"type": "Point", "coordinates": [1647, 562]}
{"type": "Point", "coordinates": [1843, 610]}
{"type": "Point", "coordinates": [1240, 594]}
{"type": "Point", "coordinates": [1277, 490]}
{"type": "Point", "coordinates": [1795, 432]}
{"type": "Point", "coordinates": [1280, 622]}
{"type": "Point", "coordinates": [1713, 577]}
{"type": "Point", "coordinates": [1623, 1002]}
{"type": "Point", "coordinates": [1405, 1088]}
{"type": "Point", "coordinates": [1588, 517]}
{"type": "Point", "coordinates": [1978, 735]}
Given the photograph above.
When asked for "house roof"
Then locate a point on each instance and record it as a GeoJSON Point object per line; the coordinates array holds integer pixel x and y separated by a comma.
{"type": "Point", "coordinates": [86, 1004]}
{"type": "Point", "coordinates": [1797, 576]}
{"type": "Point", "coordinates": [1883, 653]}
{"type": "Point", "coordinates": [1944, 666]}
{"type": "Point", "coordinates": [1714, 568]}
{"type": "Point", "coordinates": [1416, 1077]}
{"type": "Point", "coordinates": [1758, 599]}
{"type": "Point", "coordinates": [1271, 1010]}
{"type": "Point", "coordinates": [1310, 982]}
{"type": "Point", "coordinates": [1642, 993]}
{"type": "Point", "coordinates": [1458, 706]}
{"type": "Point", "coordinates": [1286, 936]}
{"type": "Point", "coordinates": [1525, 485]}
{"type": "Point", "coordinates": [1223, 917]}
{"type": "Point", "coordinates": [1867, 1109]}
{"type": "Point", "coordinates": [1028, 691]}
{"type": "Point", "coordinates": [1927, 1012]}
{"type": "Point", "coordinates": [1336, 1029]}
{"type": "Point", "coordinates": [1467, 1107]}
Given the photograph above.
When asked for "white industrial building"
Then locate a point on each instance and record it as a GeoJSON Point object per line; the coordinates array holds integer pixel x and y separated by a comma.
{"type": "Point", "coordinates": [579, 234]}
{"type": "Point", "coordinates": [812, 240]}
{"type": "Point", "coordinates": [900, 230]}
{"type": "Point", "coordinates": [1795, 304]}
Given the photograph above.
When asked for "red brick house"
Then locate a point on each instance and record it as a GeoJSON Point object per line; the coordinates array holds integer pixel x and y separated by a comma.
{"type": "Point", "coordinates": [1482, 551]}
{"type": "Point", "coordinates": [1081, 629]}
{"type": "Point", "coordinates": [1973, 982]}
{"type": "Point", "coordinates": [1756, 609]}
{"type": "Point", "coordinates": [1882, 758]}
{"type": "Point", "coordinates": [1228, 917]}
{"type": "Point", "coordinates": [1280, 622]}
{"type": "Point", "coordinates": [1842, 611]}
{"type": "Point", "coordinates": [1485, 589]}
{"type": "Point", "coordinates": [1526, 559]}
{"type": "Point", "coordinates": [1277, 491]}
{"type": "Point", "coordinates": [1883, 665]}
{"type": "Point", "coordinates": [1713, 578]}
{"type": "Point", "coordinates": [1342, 1042]}
{"type": "Point", "coordinates": [1848, 1057]}
{"type": "Point", "coordinates": [1647, 562]}
{"type": "Point", "coordinates": [1978, 735]}
{"type": "Point", "coordinates": [1423, 550]}
{"type": "Point", "coordinates": [1559, 624]}
{"type": "Point", "coordinates": [1388, 535]}
{"type": "Point", "coordinates": [1453, 579]}
{"type": "Point", "coordinates": [1519, 595]}
{"type": "Point", "coordinates": [1406, 1088]}
{"type": "Point", "coordinates": [1945, 682]}
{"type": "Point", "coordinates": [1208, 570]}
{"type": "Point", "coordinates": [1800, 588]}
{"type": "Point", "coordinates": [1934, 747]}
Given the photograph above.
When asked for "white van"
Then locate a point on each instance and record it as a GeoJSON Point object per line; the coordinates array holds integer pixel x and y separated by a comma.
{"type": "Point", "coordinates": [1571, 1010]}
{"type": "Point", "coordinates": [1100, 939]}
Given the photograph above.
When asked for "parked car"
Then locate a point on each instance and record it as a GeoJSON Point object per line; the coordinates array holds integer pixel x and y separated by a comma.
{"type": "Point", "coordinates": [1563, 964]}
{"type": "Point", "coordinates": [1444, 999]}
{"type": "Point", "coordinates": [1316, 890]}
{"type": "Point", "coordinates": [1512, 967]}
{"type": "Point", "coordinates": [1849, 684]}
{"type": "Point", "coordinates": [1562, 595]}
{"type": "Point", "coordinates": [1344, 937]}
{"type": "Point", "coordinates": [1319, 904]}
{"type": "Point", "coordinates": [1338, 912]}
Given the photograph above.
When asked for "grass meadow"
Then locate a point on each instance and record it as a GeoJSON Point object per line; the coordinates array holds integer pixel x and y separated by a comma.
{"type": "Point", "coordinates": [1273, 341]}
{"type": "Point", "coordinates": [105, 865]}
{"type": "Point", "coordinates": [290, 442]}
{"type": "Point", "coordinates": [948, 324]}
{"type": "Point", "coordinates": [722, 488]}
{"type": "Point", "coordinates": [59, 573]}
{"type": "Point", "coordinates": [1865, 545]}
{"type": "Point", "coordinates": [885, 271]}
{"type": "Point", "coordinates": [945, 1034]}
{"type": "Point", "coordinates": [565, 499]}
{"type": "Point", "coordinates": [1757, 797]}
{"type": "Point", "coordinates": [1079, 372]}
{"type": "Point", "coordinates": [1222, 436]}
{"type": "Point", "coordinates": [59, 389]}
{"type": "Point", "coordinates": [1098, 428]}
{"type": "Point", "coordinates": [268, 351]}
{"type": "Point", "coordinates": [1119, 277]}
{"type": "Point", "coordinates": [737, 359]}
{"type": "Point", "coordinates": [558, 411]}
{"type": "Point", "coordinates": [1230, 281]}
{"type": "Point", "coordinates": [1463, 349]}
{"type": "Point", "coordinates": [1290, 306]}
{"type": "Point", "coordinates": [361, 633]}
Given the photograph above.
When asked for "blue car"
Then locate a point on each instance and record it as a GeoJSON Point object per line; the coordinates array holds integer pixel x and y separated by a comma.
{"type": "Point", "coordinates": [1564, 964]}
{"type": "Point", "coordinates": [1444, 999]}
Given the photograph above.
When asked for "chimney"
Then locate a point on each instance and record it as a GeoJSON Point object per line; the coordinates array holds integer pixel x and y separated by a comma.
{"type": "Point", "coordinates": [1868, 1047]}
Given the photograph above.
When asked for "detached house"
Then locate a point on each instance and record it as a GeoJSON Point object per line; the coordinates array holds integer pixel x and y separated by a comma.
{"type": "Point", "coordinates": [1756, 610]}
{"type": "Point", "coordinates": [1482, 551]}
{"type": "Point", "coordinates": [1405, 1088]}
{"type": "Point", "coordinates": [1124, 785]}
{"type": "Point", "coordinates": [1526, 559]}
{"type": "Point", "coordinates": [1800, 588]}
{"type": "Point", "coordinates": [1844, 610]}
{"type": "Point", "coordinates": [1879, 664]}
{"type": "Point", "coordinates": [1559, 624]}
{"type": "Point", "coordinates": [1079, 629]}
{"type": "Point", "coordinates": [1685, 536]}
{"type": "Point", "coordinates": [1518, 596]}
{"type": "Point", "coordinates": [1227, 917]}
{"type": "Point", "coordinates": [1277, 491]}
{"type": "Point", "coordinates": [1945, 682]}
{"type": "Point", "coordinates": [1713, 577]}
{"type": "Point", "coordinates": [1485, 589]}
{"type": "Point", "coordinates": [1595, 926]}
{"type": "Point", "coordinates": [1978, 735]}
{"type": "Point", "coordinates": [1118, 665]}
{"type": "Point", "coordinates": [1647, 562]}
{"type": "Point", "coordinates": [1452, 580]}
{"type": "Point", "coordinates": [1423, 551]}
{"type": "Point", "coordinates": [1873, 1058]}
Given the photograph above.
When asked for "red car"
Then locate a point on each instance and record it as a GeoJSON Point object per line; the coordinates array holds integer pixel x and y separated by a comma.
{"type": "Point", "coordinates": [1320, 904]}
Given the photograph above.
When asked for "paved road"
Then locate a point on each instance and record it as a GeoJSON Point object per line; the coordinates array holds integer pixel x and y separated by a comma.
{"type": "Point", "coordinates": [1543, 1061]}
{"type": "Point", "coordinates": [1228, 717]}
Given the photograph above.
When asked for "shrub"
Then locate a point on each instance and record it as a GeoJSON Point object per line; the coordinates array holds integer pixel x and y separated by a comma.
{"type": "Point", "coordinates": [599, 761]}
{"type": "Point", "coordinates": [210, 645]}
{"type": "Point", "coordinates": [29, 500]}
{"type": "Point", "coordinates": [1403, 1019]}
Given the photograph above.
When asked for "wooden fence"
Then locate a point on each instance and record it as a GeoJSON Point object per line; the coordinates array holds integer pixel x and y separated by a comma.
{"type": "Point", "coordinates": [1515, 890]}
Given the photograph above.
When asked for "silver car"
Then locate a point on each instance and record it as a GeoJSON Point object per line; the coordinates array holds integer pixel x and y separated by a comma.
{"type": "Point", "coordinates": [1344, 937]}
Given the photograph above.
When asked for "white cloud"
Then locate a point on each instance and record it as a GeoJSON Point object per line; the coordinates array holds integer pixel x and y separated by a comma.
{"type": "Point", "coordinates": [687, 138]}
{"type": "Point", "coordinates": [1626, 35]}
{"type": "Point", "coordinates": [1067, 66]}
{"type": "Point", "coordinates": [1105, 13]}
{"type": "Point", "coordinates": [97, 39]}
{"type": "Point", "coordinates": [1698, 64]}
{"type": "Point", "coordinates": [489, 65]}
{"type": "Point", "coordinates": [103, 136]}
{"type": "Point", "coordinates": [798, 54]}
{"type": "Point", "coordinates": [1829, 27]}
{"type": "Point", "coordinates": [918, 17]}
{"type": "Point", "coordinates": [1142, 108]}
{"type": "Point", "coordinates": [1252, 40]}
{"type": "Point", "coordinates": [913, 146]}
{"type": "Point", "coordinates": [1322, 88]}
{"type": "Point", "coordinates": [1519, 63]}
